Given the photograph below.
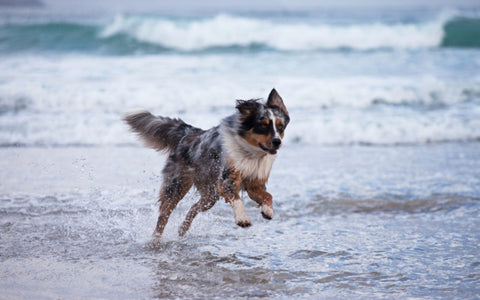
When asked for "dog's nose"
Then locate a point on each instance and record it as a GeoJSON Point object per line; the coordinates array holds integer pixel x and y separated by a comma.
{"type": "Point", "coordinates": [276, 142]}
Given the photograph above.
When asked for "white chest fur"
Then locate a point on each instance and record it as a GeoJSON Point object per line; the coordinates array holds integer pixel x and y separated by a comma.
{"type": "Point", "coordinates": [253, 168]}
{"type": "Point", "coordinates": [251, 162]}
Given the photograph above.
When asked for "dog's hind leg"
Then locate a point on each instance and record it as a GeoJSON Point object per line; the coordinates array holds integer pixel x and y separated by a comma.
{"type": "Point", "coordinates": [173, 190]}
{"type": "Point", "coordinates": [206, 202]}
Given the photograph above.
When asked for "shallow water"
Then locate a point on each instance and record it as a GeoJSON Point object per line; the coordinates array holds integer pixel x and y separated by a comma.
{"type": "Point", "coordinates": [382, 222]}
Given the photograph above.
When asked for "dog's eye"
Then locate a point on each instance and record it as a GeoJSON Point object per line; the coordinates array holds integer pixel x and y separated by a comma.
{"type": "Point", "coordinates": [280, 126]}
{"type": "Point", "coordinates": [265, 123]}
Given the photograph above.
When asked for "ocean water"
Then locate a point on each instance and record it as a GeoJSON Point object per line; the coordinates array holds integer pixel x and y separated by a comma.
{"type": "Point", "coordinates": [399, 80]}
{"type": "Point", "coordinates": [376, 189]}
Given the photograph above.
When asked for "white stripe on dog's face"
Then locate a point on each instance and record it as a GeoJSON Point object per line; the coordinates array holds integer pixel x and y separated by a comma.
{"type": "Point", "coordinates": [273, 119]}
{"type": "Point", "coordinates": [279, 121]}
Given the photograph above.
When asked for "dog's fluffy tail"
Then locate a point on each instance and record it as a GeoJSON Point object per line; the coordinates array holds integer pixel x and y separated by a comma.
{"type": "Point", "coordinates": [159, 133]}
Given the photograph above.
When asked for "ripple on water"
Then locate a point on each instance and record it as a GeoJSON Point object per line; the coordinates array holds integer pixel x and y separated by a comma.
{"type": "Point", "coordinates": [330, 247]}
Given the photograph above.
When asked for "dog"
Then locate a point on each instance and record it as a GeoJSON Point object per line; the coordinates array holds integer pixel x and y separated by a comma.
{"type": "Point", "coordinates": [235, 156]}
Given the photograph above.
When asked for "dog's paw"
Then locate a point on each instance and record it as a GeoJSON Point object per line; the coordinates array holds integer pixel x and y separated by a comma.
{"type": "Point", "coordinates": [244, 223]}
{"type": "Point", "coordinates": [182, 230]}
{"type": "Point", "coordinates": [156, 236]}
{"type": "Point", "coordinates": [240, 215]}
{"type": "Point", "coordinates": [267, 212]}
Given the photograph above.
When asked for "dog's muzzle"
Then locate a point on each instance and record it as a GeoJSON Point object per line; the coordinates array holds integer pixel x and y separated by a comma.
{"type": "Point", "coordinates": [276, 142]}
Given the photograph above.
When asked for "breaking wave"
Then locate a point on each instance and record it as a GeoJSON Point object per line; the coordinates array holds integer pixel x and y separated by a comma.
{"type": "Point", "coordinates": [141, 34]}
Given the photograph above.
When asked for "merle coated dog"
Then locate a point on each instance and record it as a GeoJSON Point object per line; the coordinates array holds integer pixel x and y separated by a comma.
{"type": "Point", "coordinates": [220, 162]}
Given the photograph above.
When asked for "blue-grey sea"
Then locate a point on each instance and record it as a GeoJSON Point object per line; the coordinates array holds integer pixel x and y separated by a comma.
{"type": "Point", "coordinates": [376, 188]}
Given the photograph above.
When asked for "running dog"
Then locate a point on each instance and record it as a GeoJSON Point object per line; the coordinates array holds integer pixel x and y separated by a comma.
{"type": "Point", "coordinates": [220, 162]}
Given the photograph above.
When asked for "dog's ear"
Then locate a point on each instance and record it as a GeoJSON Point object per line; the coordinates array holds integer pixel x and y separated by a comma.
{"type": "Point", "coordinates": [274, 100]}
{"type": "Point", "coordinates": [247, 107]}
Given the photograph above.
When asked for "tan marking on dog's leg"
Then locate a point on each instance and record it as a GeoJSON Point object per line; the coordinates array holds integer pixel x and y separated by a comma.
{"type": "Point", "coordinates": [171, 193]}
{"type": "Point", "coordinates": [203, 205]}
{"type": "Point", "coordinates": [257, 192]}
{"type": "Point", "coordinates": [239, 213]}
{"type": "Point", "coordinates": [164, 214]}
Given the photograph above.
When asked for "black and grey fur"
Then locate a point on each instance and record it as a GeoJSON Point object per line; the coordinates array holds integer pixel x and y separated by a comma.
{"type": "Point", "coordinates": [236, 155]}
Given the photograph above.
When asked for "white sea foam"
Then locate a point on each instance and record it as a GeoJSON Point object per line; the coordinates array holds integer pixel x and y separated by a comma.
{"type": "Point", "coordinates": [226, 30]}
{"type": "Point", "coordinates": [80, 100]}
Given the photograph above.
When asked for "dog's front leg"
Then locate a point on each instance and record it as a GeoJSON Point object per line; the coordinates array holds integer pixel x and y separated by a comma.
{"type": "Point", "coordinates": [228, 188]}
{"type": "Point", "coordinates": [239, 213]}
{"type": "Point", "coordinates": [258, 193]}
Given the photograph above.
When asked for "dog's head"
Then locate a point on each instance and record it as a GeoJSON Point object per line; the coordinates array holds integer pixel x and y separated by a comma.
{"type": "Point", "coordinates": [263, 125]}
